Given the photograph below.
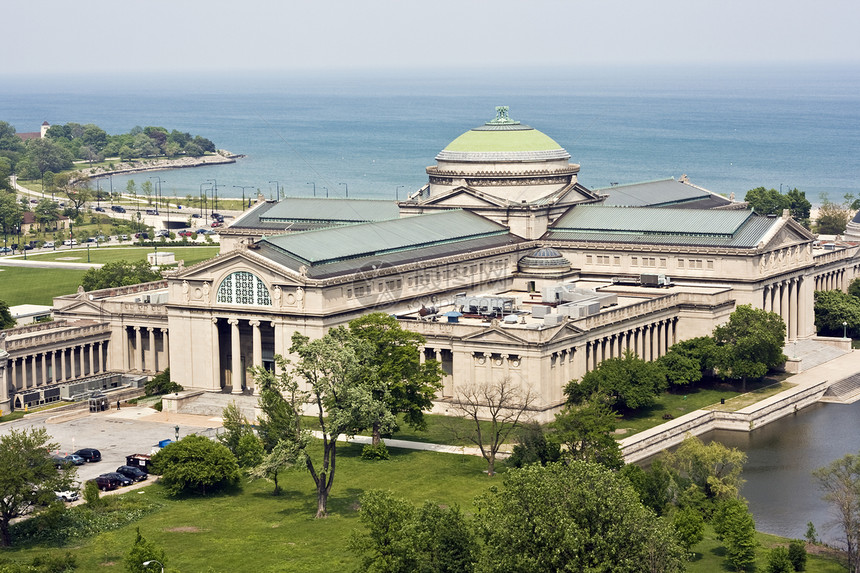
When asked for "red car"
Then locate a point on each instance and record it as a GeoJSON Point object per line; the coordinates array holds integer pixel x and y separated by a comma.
{"type": "Point", "coordinates": [186, 233]}
{"type": "Point", "coordinates": [215, 224]}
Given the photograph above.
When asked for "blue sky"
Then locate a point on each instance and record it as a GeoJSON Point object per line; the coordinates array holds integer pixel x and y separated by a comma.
{"type": "Point", "coordinates": [105, 36]}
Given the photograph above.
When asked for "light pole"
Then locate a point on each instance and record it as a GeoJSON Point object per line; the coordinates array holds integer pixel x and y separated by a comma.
{"type": "Point", "coordinates": [243, 187]}
{"type": "Point", "coordinates": [98, 194]}
{"type": "Point", "coordinates": [397, 192]}
{"type": "Point", "coordinates": [347, 189]}
{"type": "Point", "coordinates": [151, 561]}
{"type": "Point", "coordinates": [314, 183]}
{"type": "Point", "coordinates": [326, 192]}
{"type": "Point", "coordinates": [157, 193]}
{"type": "Point", "coordinates": [277, 188]}
{"type": "Point", "coordinates": [844, 329]}
{"type": "Point", "coordinates": [110, 177]}
{"type": "Point", "coordinates": [214, 192]}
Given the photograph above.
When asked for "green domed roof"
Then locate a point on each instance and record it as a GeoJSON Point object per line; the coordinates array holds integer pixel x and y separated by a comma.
{"type": "Point", "coordinates": [504, 135]}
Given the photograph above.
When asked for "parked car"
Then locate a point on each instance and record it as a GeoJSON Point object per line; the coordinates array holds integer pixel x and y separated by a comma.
{"type": "Point", "coordinates": [106, 482]}
{"type": "Point", "coordinates": [48, 244]}
{"type": "Point", "coordinates": [215, 224]}
{"type": "Point", "coordinates": [117, 209]}
{"type": "Point", "coordinates": [90, 240]}
{"type": "Point", "coordinates": [185, 233]}
{"type": "Point", "coordinates": [74, 459]}
{"type": "Point", "coordinates": [162, 233]}
{"type": "Point", "coordinates": [123, 481]}
{"type": "Point", "coordinates": [67, 496]}
{"type": "Point", "coordinates": [100, 209]}
{"type": "Point", "coordinates": [90, 454]}
{"type": "Point", "coordinates": [132, 473]}
{"type": "Point", "coordinates": [123, 237]}
{"type": "Point", "coordinates": [141, 235]}
{"type": "Point", "coordinates": [5, 250]}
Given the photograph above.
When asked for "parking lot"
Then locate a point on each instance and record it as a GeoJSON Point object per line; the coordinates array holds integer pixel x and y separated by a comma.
{"type": "Point", "coordinates": [131, 430]}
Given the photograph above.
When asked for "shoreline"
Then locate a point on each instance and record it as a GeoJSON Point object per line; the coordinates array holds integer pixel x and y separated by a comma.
{"type": "Point", "coordinates": [221, 157]}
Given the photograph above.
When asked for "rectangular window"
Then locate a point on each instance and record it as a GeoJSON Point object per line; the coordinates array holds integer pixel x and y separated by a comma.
{"type": "Point", "coordinates": [710, 264]}
{"type": "Point", "coordinates": [588, 259]}
{"type": "Point", "coordinates": [680, 263]}
{"type": "Point", "coordinates": [616, 261]}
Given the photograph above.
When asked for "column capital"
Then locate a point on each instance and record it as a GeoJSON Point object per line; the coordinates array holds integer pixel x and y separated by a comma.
{"type": "Point", "coordinates": [233, 321]}
{"type": "Point", "coordinates": [214, 320]}
{"type": "Point", "coordinates": [136, 328]}
{"type": "Point", "coordinates": [254, 323]}
{"type": "Point", "coordinates": [164, 330]}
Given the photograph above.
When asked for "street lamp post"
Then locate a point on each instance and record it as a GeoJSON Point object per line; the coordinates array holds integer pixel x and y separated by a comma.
{"type": "Point", "coordinates": [347, 189]}
{"type": "Point", "coordinates": [158, 192]}
{"type": "Point", "coordinates": [243, 187]}
{"type": "Point", "coordinates": [314, 183]}
{"type": "Point", "coordinates": [110, 177]}
{"type": "Point", "coordinates": [844, 329]}
{"type": "Point", "coordinates": [397, 192]}
{"type": "Point", "coordinates": [326, 192]}
{"type": "Point", "coordinates": [214, 192]}
{"type": "Point", "coordinates": [277, 188]}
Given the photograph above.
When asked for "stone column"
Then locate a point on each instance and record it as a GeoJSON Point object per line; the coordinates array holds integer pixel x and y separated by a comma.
{"type": "Point", "coordinates": [152, 364]}
{"type": "Point", "coordinates": [257, 343]}
{"type": "Point", "coordinates": [236, 374]}
{"type": "Point", "coordinates": [792, 310]}
{"type": "Point", "coordinates": [138, 350]}
{"type": "Point", "coordinates": [216, 353]}
{"type": "Point", "coordinates": [422, 358]}
{"type": "Point", "coordinates": [165, 344]}
{"type": "Point", "coordinates": [579, 362]}
{"type": "Point", "coordinates": [277, 337]}
{"type": "Point", "coordinates": [488, 361]}
{"type": "Point", "coordinates": [15, 373]}
{"type": "Point", "coordinates": [783, 299]}
{"type": "Point", "coordinates": [44, 369]}
{"type": "Point", "coordinates": [63, 371]}
{"type": "Point", "coordinates": [92, 347]}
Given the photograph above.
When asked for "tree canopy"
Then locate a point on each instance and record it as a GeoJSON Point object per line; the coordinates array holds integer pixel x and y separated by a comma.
{"type": "Point", "coordinates": [750, 344]}
{"type": "Point", "coordinates": [772, 202]}
{"type": "Point", "coordinates": [630, 381]}
{"type": "Point", "coordinates": [6, 319]}
{"type": "Point", "coordinates": [399, 379]}
{"type": "Point", "coordinates": [832, 308]}
{"type": "Point", "coordinates": [578, 516]}
{"type": "Point", "coordinates": [28, 475]}
{"type": "Point", "coordinates": [117, 274]}
{"type": "Point", "coordinates": [195, 464]}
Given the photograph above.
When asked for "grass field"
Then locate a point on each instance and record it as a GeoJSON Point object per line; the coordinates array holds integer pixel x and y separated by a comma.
{"type": "Point", "coordinates": [21, 285]}
{"type": "Point", "coordinates": [191, 255]}
{"type": "Point", "coordinates": [251, 530]}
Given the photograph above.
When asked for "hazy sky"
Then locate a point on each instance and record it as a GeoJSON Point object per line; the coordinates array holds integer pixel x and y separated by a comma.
{"type": "Point", "coordinates": [54, 36]}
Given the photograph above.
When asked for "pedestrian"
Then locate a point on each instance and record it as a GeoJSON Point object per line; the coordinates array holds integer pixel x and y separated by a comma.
{"type": "Point", "coordinates": [117, 404]}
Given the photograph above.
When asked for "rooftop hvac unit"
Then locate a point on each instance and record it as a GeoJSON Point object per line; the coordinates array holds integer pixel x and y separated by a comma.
{"type": "Point", "coordinates": [553, 320]}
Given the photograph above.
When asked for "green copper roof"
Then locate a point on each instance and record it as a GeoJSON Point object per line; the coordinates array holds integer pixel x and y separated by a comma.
{"type": "Point", "coordinates": [502, 134]}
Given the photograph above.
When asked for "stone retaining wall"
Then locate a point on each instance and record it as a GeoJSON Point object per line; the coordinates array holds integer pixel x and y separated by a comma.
{"type": "Point", "coordinates": [654, 440]}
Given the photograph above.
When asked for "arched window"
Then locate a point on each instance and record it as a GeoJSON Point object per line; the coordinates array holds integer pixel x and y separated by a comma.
{"type": "Point", "coordinates": [244, 288]}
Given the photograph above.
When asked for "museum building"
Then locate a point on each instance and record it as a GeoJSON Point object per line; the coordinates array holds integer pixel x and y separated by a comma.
{"type": "Point", "coordinates": [503, 261]}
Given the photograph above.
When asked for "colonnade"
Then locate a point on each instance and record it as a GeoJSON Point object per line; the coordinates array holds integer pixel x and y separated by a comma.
{"type": "Point", "coordinates": [59, 365]}
{"type": "Point", "coordinates": [831, 280]}
{"type": "Point", "coordinates": [235, 350]}
{"type": "Point", "coordinates": [784, 299]}
{"type": "Point", "coordinates": [649, 342]}
{"type": "Point", "coordinates": [143, 359]}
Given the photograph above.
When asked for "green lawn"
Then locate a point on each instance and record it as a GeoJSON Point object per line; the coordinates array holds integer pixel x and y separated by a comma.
{"type": "Point", "coordinates": [251, 530]}
{"type": "Point", "coordinates": [103, 254]}
{"type": "Point", "coordinates": [20, 285]}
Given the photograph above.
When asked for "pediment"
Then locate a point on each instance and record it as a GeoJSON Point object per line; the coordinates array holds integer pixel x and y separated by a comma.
{"type": "Point", "coordinates": [564, 331]}
{"type": "Point", "coordinates": [495, 335]}
{"type": "Point", "coordinates": [789, 235]}
{"type": "Point", "coordinates": [241, 259]}
{"type": "Point", "coordinates": [82, 307]}
{"type": "Point", "coordinates": [464, 197]}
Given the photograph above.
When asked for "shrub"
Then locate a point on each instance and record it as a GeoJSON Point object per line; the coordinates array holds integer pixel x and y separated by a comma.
{"type": "Point", "coordinates": [195, 464]}
{"type": "Point", "coordinates": [91, 494]}
{"type": "Point", "coordinates": [532, 446]}
{"type": "Point", "coordinates": [778, 561]}
{"type": "Point", "coordinates": [797, 554]}
{"type": "Point", "coordinates": [161, 384]}
{"type": "Point", "coordinates": [378, 452]}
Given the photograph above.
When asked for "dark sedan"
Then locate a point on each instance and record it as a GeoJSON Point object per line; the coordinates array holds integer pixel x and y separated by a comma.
{"type": "Point", "coordinates": [132, 473]}
{"type": "Point", "coordinates": [123, 481]}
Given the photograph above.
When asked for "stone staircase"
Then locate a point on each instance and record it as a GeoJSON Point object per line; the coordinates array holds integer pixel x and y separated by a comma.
{"type": "Point", "coordinates": [845, 391]}
{"type": "Point", "coordinates": [812, 353]}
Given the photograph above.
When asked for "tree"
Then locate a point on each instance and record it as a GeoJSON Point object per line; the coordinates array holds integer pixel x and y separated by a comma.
{"type": "Point", "coordinates": [503, 404]}
{"type": "Point", "coordinates": [767, 201]}
{"type": "Point", "coordinates": [47, 212]}
{"type": "Point", "coordinates": [689, 527]}
{"type": "Point", "coordinates": [28, 475]}
{"type": "Point", "coordinates": [833, 217]}
{"type": "Point", "coordinates": [854, 288]}
{"type": "Point", "coordinates": [797, 554]}
{"type": "Point", "coordinates": [142, 551]}
{"type": "Point", "coordinates": [402, 382]}
{"type": "Point", "coordinates": [750, 344]}
{"type": "Point", "coordinates": [6, 319]}
{"type": "Point", "coordinates": [10, 212]}
{"type": "Point", "coordinates": [735, 527]}
{"type": "Point", "coordinates": [161, 384]}
{"type": "Point", "coordinates": [572, 517]}
{"type": "Point", "coordinates": [75, 188]}
{"type": "Point", "coordinates": [680, 369]}
{"type": "Point", "coordinates": [48, 155]}
{"type": "Point", "coordinates": [840, 482]}
{"type": "Point", "coordinates": [119, 273]}
{"type": "Point", "coordinates": [146, 187]}
{"type": "Point", "coordinates": [195, 464]}
{"type": "Point", "coordinates": [533, 447]}
{"type": "Point", "coordinates": [800, 206]}
{"type": "Point", "coordinates": [778, 561]}
{"type": "Point", "coordinates": [334, 367]}
{"type": "Point", "coordinates": [236, 427]}
{"type": "Point", "coordinates": [586, 432]}
{"type": "Point", "coordinates": [832, 308]}
{"type": "Point", "coordinates": [630, 381]}
{"type": "Point", "coordinates": [713, 469]}
{"type": "Point", "coordinates": [400, 538]}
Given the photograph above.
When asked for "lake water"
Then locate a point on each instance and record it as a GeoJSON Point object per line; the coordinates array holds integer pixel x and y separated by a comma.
{"type": "Point", "coordinates": [729, 130]}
